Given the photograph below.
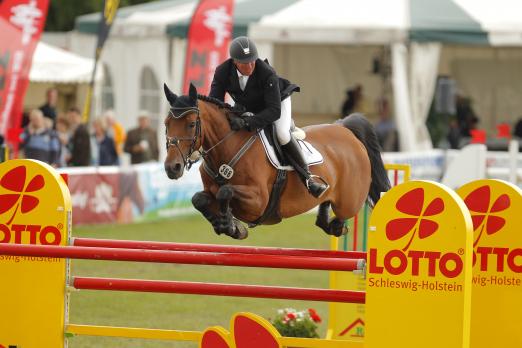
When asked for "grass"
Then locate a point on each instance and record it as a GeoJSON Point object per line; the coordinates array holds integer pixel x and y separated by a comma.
{"type": "Point", "coordinates": [188, 312]}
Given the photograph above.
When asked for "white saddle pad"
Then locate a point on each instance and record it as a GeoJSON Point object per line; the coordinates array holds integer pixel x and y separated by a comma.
{"type": "Point", "coordinates": [311, 155]}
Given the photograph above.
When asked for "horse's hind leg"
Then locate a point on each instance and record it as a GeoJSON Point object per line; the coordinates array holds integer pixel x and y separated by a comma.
{"type": "Point", "coordinates": [227, 224]}
{"type": "Point", "coordinates": [335, 227]}
{"type": "Point", "coordinates": [323, 216]}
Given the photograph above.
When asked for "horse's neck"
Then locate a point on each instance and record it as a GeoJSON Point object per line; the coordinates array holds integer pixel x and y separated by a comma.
{"type": "Point", "coordinates": [214, 128]}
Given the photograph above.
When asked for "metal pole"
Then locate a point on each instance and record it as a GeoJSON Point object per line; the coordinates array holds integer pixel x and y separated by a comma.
{"type": "Point", "coordinates": [233, 249]}
{"type": "Point", "coordinates": [216, 289]}
{"type": "Point", "coordinates": [184, 257]}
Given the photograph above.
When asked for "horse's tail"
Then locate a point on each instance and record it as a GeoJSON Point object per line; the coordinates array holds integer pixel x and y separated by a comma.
{"type": "Point", "coordinates": [364, 131]}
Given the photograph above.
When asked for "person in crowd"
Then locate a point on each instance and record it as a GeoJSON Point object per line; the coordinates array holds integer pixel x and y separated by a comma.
{"type": "Point", "coordinates": [517, 130]}
{"type": "Point", "coordinates": [115, 130]}
{"type": "Point", "coordinates": [39, 141]}
{"type": "Point", "coordinates": [353, 102]}
{"type": "Point", "coordinates": [62, 131]}
{"type": "Point", "coordinates": [466, 116]}
{"type": "Point", "coordinates": [79, 144]}
{"type": "Point", "coordinates": [142, 142]}
{"type": "Point", "coordinates": [454, 136]}
{"type": "Point", "coordinates": [385, 127]}
{"type": "Point", "coordinates": [254, 84]}
{"type": "Point", "coordinates": [49, 108]}
{"type": "Point", "coordinates": [103, 149]}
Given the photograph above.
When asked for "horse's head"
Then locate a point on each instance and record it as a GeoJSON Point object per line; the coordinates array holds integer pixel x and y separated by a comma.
{"type": "Point", "coordinates": [183, 131]}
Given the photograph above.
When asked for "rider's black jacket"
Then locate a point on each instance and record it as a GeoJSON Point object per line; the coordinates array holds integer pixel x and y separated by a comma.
{"type": "Point", "coordinates": [262, 95]}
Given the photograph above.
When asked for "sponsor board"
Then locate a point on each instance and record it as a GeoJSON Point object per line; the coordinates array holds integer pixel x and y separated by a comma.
{"type": "Point", "coordinates": [35, 208]}
{"type": "Point", "coordinates": [419, 269]}
{"type": "Point", "coordinates": [496, 212]}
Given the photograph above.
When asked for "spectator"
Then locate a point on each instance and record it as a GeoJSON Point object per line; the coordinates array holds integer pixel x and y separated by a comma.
{"type": "Point", "coordinates": [49, 108]}
{"type": "Point", "coordinates": [353, 102]}
{"type": "Point", "coordinates": [517, 131]}
{"type": "Point", "coordinates": [104, 151]}
{"type": "Point", "coordinates": [40, 142]}
{"type": "Point", "coordinates": [453, 136]}
{"type": "Point", "coordinates": [466, 116]}
{"type": "Point", "coordinates": [385, 127]}
{"type": "Point", "coordinates": [79, 144]}
{"type": "Point", "coordinates": [142, 142]}
{"type": "Point", "coordinates": [115, 131]}
{"type": "Point", "coordinates": [62, 131]}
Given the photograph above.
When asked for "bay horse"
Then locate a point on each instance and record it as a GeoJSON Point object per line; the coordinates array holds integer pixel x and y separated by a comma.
{"type": "Point", "coordinates": [198, 124]}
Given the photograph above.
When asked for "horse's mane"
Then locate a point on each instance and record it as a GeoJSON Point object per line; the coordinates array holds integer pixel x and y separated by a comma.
{"type": "Point", "coordinates": [215, 101]}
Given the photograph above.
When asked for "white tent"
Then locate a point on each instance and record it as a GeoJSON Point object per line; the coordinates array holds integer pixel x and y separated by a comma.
{"type": "Point", "coordinates": [326, 46]}
{"type": "Point", "coordinates": [55, 65]}
{"type": "Point", "coordinates": [421, 35]}
{"type": "Point", "coordinates": [68, 72]}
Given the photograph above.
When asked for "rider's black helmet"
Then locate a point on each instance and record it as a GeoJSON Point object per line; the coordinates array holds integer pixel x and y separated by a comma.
{"type": "Point", "coordinates": [243, 50]}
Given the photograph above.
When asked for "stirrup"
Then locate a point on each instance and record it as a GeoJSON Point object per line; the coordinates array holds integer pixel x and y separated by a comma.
{"type": "Point", "coordinates": [312, 176]}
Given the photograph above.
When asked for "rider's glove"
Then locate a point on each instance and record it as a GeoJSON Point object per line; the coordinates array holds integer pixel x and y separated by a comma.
{"type": "Point", "coordinates": [238, 123]}
{"type": "Point", "coordinates": [247, 114]}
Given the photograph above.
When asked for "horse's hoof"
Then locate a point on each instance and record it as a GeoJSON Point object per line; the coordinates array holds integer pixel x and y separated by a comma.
{"type": "Point", "coordinates": [338, 228]}
{"type": "Point", "coordinates": [240, 231]}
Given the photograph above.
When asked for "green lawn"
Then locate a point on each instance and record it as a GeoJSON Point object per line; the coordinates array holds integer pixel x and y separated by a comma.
{"type": "Point", "coordinates": [188, 312]}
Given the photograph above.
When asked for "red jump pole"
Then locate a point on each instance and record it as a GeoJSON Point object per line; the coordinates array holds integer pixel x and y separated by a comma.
{"type": "Point", "coordinates": [232, 249]}
{"type": "Point", "coordinates": [216, 289]}
{"type": "Point", "coordinates": [183, 257]}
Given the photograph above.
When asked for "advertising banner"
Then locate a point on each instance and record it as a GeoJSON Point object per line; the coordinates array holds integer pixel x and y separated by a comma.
{"type": "Point", "coordinates": [419, 269]}
{"type": "Point", "coordinates": [21, 23]}
{"type": "Point", "coordinates": [130, 194]}
{"type": "Point", "coordinates": [208, 38]}
{"type": "Point", "coordinates": [35, 208]}
{"type": "Point", "coordinates": [495, 208]}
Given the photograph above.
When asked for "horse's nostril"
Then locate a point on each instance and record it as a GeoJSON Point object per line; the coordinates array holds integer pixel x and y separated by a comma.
{"type": "Point", "coordinates": [177, 167]}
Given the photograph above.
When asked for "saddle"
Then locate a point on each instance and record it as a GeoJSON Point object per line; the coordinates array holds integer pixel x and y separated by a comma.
{"type": "Point", "coordinates": [275, 154]}
{"type": "Point", "coordinates": [277, 158]}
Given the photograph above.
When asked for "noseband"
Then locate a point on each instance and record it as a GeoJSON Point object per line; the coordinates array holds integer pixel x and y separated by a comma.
{"type": "Point", "coordinates": [179, 113]}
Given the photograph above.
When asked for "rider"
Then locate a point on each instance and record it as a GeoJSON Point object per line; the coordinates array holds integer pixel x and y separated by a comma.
{"type": "Point", "coordinates": [254, 84]}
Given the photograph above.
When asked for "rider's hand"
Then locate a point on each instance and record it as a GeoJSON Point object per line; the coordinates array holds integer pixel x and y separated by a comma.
{"type": "Point", "coordinates": [247, 114]}
{"type": "Point", "coordinates": [238, 123]}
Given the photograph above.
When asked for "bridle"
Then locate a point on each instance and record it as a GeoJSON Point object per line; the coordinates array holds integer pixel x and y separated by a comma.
{"type": "Point", "coordinates": [188, 160]}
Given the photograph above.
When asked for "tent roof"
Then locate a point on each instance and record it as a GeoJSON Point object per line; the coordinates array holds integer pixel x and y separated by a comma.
{"type": "Point", "coordinates": [382, 21]}
{"type": "Point", "coordinates": [52, 64]}
{"type": "Point", "coordinates": [172, 17]}
{"type": "Point", "coordinates": [335, 21]}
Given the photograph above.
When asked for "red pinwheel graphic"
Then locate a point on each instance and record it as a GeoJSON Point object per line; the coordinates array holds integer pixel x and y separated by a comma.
{"type": "Point", "coordinates": [412, 203]}
{"type": "Point", "coordinates": [14, 181]}
{"type": "Point", "coordinates": [482, 211]}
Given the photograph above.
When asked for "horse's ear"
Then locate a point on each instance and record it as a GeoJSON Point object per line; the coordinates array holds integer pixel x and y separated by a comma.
{"type": "Point", "coordinates": [193, 94]}
{"type": "Point", "coordinates": [171, 97]}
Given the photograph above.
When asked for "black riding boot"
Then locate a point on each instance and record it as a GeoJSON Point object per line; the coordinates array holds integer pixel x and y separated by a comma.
{"type": "Point", "coordinates": [293, 153]}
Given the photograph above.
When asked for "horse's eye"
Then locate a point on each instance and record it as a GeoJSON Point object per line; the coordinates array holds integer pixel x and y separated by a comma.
{"type": "Point", "coordinates": [192, 124]}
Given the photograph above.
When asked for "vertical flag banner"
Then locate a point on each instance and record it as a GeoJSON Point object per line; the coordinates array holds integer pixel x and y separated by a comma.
{"type": "Point", "coordinates": [208, 38]}
{"type": "Point", "coordinates": [21, 24]}
{"type": "Point", "coordinates": [110, 7]}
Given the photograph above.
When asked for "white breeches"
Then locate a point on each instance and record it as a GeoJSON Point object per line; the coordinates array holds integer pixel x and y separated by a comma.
{"type": "Point", "coordinates": [284, 122]}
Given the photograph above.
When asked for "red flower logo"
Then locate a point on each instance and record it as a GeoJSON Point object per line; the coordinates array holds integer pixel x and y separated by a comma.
{"type": "Point", "coordinates": [14, 181]}
{"type": "Point", "coordinates": [412, 203]}
{"type": "Point", "coordinates": [248, 331]}
{"type": "Point", "coordinates": [482, 211]}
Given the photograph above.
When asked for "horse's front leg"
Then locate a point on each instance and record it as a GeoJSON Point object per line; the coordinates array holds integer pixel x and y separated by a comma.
{"type": "Point", "coordinates": [227, 224]}
{"type": "Point", "coordinates": [206, 204]}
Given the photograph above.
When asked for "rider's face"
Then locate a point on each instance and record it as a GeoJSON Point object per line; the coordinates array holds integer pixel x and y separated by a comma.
{"type": "Point", "coordinates": [245, 69]}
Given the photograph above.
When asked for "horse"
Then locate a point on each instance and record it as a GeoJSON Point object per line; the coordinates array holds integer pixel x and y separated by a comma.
{"type": "Point", "coordinates": [237, 178]}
